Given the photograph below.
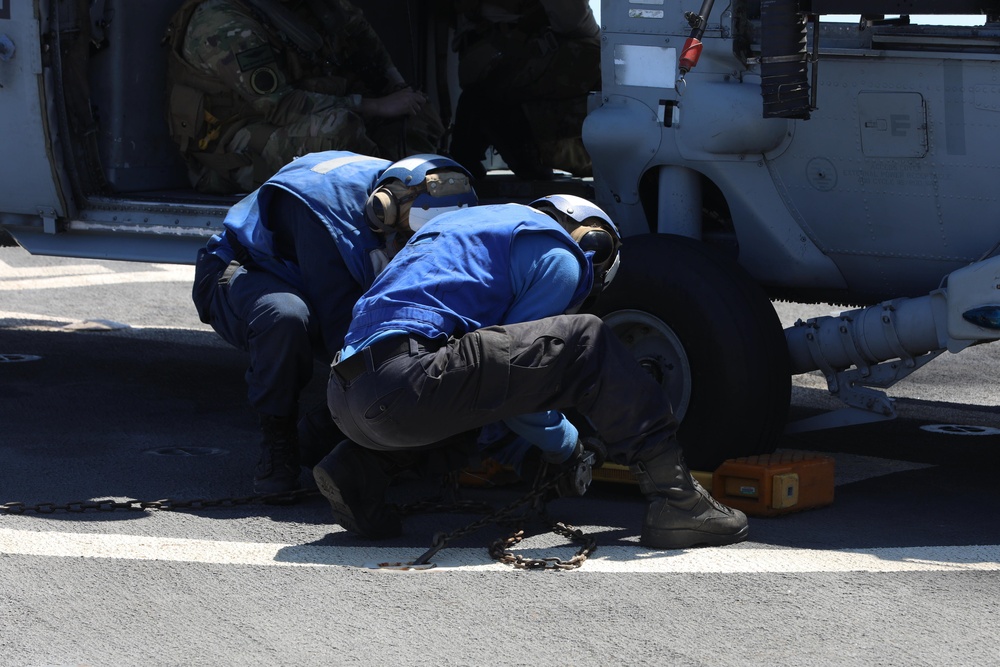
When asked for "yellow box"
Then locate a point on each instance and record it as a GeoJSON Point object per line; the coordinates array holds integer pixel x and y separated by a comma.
{"type": "Point", "coordinates": [613, 472]}
{"type": "Point", "coordinates": [616, 473]}
{"type": "Point", "coordinates": [773, 484]}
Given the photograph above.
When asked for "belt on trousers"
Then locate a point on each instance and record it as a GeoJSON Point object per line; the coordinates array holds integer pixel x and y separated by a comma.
{"type": "Point", "coordinates": [381, 351]}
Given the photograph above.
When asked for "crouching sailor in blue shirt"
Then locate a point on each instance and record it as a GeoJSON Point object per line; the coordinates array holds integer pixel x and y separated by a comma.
{"type": "Point", "coordinates": [468, 326]}
{"type": "Point", "coordinates": [295, 256]}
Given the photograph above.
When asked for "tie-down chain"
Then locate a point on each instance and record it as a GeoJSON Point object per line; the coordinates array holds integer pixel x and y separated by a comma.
{"type": "Point", "coordinates": [534, 501]}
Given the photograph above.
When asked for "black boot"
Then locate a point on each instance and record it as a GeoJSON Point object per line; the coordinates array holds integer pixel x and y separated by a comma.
{"type": "Point", "coordinates": [681, 512]}
{"type": "Point", "coordinates": [278, 468]}
{"type": "Point", "coordinates": [354, 480]}
{"type": "Point", "coordinates": [318, 435]}
{"type": "Point", "coordinates": [468, 140]}
{"type": "Point", "coordinates": [511, 136]}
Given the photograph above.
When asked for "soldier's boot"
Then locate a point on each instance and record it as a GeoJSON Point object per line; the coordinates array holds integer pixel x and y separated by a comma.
{"type": "Point", "coordinates": [468, 139]}
{"type": "Point", "coordinates": [681, 512]}
{"type": "Point", "coordinates": [569, 155]}
{"type": "Point", "coordinates": [354, 480]}
{"type": "Point", "coordinates": [277, 469]}
{"type": "Point", "coordinates": [513, 139]}
{"type": "Point", "coordinates": [525, 160]}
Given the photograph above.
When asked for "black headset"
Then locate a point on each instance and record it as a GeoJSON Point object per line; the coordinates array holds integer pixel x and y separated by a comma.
{"type": "Point", "coordinates": [599, 241]}
{"type": "Point", "coordinates": [602, 243]}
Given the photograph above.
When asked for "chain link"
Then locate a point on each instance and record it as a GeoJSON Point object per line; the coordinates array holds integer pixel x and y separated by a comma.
{"type": "Point", "coordinates": [163, 505]}
{"type": "Point", "coordinates": [499, 550]}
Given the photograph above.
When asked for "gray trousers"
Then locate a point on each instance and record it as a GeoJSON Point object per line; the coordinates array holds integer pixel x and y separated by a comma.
{"type": "Point", "coordinates": [424, 394]}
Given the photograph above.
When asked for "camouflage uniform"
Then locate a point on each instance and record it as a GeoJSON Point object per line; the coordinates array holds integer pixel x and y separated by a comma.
{"type": "Point", "coordinates": [249, 93]}
{"type": "Point", "coordinates": [526, 68]}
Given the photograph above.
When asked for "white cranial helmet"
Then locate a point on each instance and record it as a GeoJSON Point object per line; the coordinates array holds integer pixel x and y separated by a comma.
{"type": "Point", "coordinates": [591, 228]}
{"type": "Point", "coordinates": [414, 190]}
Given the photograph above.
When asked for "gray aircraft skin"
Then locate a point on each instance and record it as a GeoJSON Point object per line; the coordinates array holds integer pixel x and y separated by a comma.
{"type": "Point", "coordinates": [787, 158]}
{"type": "Point", "coordinates": [748, 152]}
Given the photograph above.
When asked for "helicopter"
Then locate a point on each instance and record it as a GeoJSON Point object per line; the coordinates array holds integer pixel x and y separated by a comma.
{"type": "Point", "coordinates": [749, 153]}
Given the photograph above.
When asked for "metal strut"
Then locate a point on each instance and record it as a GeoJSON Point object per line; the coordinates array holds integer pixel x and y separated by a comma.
{"type": "Point", "coordinates": [860, 352]}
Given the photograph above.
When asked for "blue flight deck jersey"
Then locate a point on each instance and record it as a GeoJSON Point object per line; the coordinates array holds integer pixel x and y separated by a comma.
{"type": "Point", "coordinates": [334, 185]}
{"type": "Point", "coordinates": [482, 266]}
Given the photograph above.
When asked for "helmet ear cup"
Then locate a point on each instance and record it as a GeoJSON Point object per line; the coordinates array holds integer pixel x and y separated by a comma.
{"type": "Point", "coordinates": [382, 210]}
{"type": "Point", "coordinates": [600, 242]}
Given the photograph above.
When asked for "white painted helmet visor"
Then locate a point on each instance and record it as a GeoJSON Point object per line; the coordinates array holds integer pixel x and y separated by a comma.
{"type": "Point", "coordinates": [419, 217]}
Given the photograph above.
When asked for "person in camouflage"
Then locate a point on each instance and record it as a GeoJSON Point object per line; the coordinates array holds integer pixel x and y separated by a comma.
{"type": "Point", "coordinates": [255, 83]}
{"type": "Point", "coordinates": [526, 68]}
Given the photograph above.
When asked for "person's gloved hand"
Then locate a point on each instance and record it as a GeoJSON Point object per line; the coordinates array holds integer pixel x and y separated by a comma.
{"type": "Point", "coordinates": [576, 472]}
{"type": "Point", "coordinates": [595, 446]}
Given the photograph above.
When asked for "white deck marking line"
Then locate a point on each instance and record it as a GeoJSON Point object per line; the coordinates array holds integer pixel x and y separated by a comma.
{"type": "Point", "coordinates": [730, 560]}
{"type": "Point", "coordinates": [165, 273]}
{"type": "Point", "coordinates": [25, 272]}
{"type": "Point", "coordinates": [47, 322]}
{"type": "Point", "coordinates": [849, 468]}
{"type": "Point", "coordinates": [51, 320]}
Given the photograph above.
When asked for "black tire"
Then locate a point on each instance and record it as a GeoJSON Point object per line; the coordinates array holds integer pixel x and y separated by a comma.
{"type": "Point", "coordinates": [708, 333]}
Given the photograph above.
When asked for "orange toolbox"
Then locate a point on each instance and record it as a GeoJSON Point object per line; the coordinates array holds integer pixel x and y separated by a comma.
{"type": "Point", "coordinates": [774, 484]}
